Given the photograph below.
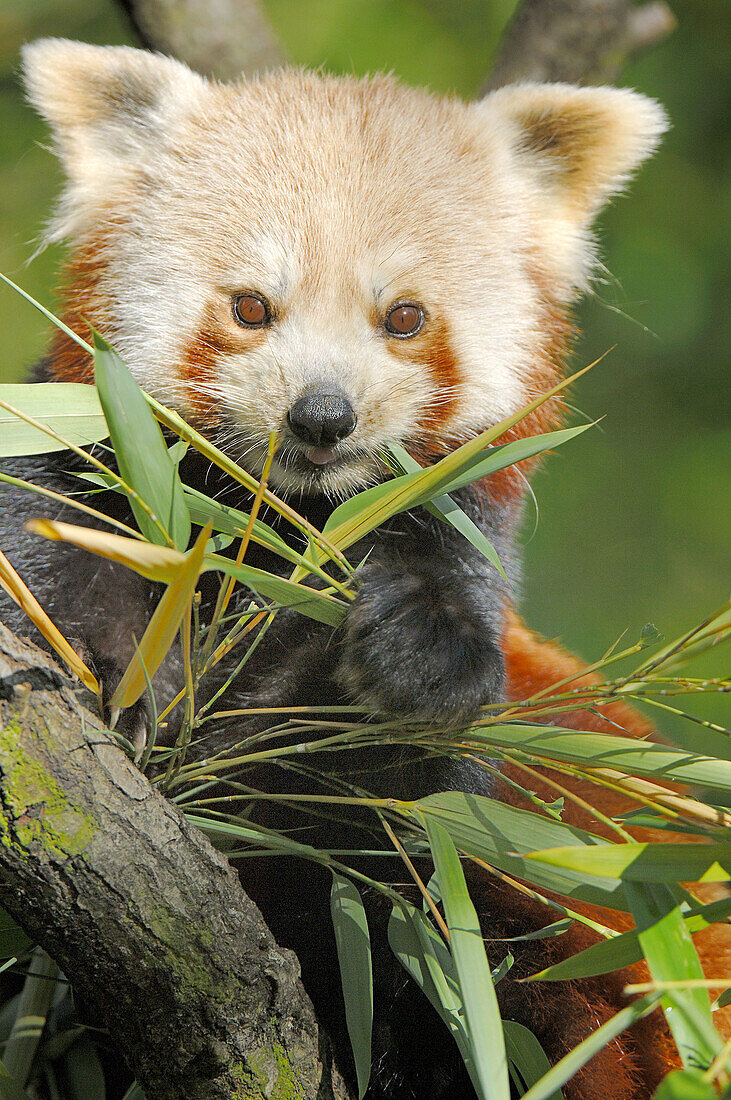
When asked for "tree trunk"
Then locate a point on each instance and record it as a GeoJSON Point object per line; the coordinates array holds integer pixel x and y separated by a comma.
{"type": "Point", "coordinates": [135, 904]}
{"type": "Point", "coordinates": [220, 38]}
{"type": "Point", "coordinates": [576, 41]}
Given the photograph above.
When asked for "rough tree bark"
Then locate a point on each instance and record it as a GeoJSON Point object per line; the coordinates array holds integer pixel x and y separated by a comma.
{"type": "Point", "coordinates": [580, 41]}
{"type": "Point", "coordinates": [221, 38]}
{"type": "Point", "coordinates": [133, 902]}
{"type": "Point", "coordinates": [577, 41]}
{"type": "Point", "coordinates": [97, 867]}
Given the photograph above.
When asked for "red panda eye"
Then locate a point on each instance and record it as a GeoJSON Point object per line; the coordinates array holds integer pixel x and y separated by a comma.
{"type": "Point", "coordinates": [404, 319]}
{"type": "Point", "coordinates": [252, 311]}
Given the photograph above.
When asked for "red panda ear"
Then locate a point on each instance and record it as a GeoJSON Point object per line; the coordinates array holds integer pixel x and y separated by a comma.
{"type": "Point", "coordinates": [574, 148]}
{"type": "Point", "coordinates": [109, 107]}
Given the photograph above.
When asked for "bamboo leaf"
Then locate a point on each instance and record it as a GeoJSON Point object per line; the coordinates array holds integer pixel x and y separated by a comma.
{"type": "Point", "coordinates": [13, 940]}
{"type": "Point", "coordinates": [671, 956]}
{"type": "Point", "coordinates": [645, 862]}
{"type": "Point", "coordinates": [83, 1071]}
{"type": "Point", "coordinates": [572, 1062]}
{"type": "Point", "coordinates": [506, 454]}
{"type": "Point", "coordinates": [482, 1016]}
{"type": "Point", "coordinates": [354, 956]}
{"type": "Point", "coordinates": [162, 627]}
{"type": "Point", "coordinates": [503, 835]}
{"type": "Point", "coordinates": [10, 1089]}
{"type": "Point", "coordinates": [548, 932]}
{"type": "Point", "coordinates": [422, 952]}
{"type": "Point", "coordinates": [231, 521]}
{"type": "Point", "coordinates": [254, 835]}
{"type": "Point", "coordinates": [70, 409]}
{"type": "Point", "coordinates": [157, 563]}
{"type": "Point", "coordinates": [35, 1001]}
{"type": "Point", "coordinates": [473, 460]}
{"type": "Point", "coordinates": [19, 591]}
{"type": "Point", "coordinates": [527, 1056]}
{"type": "Point", "coordinates": [623, 950]}
{"type": "Point", "coordinates": [307, 601]}
{"type": "Point", "coordinates": [601, 750]}
{"type": "Point", "coordinates": [140, 449]}
{"type": "Point", "coordinates": [685, 1084]}
{"type": "Point", "coordinates": [448, 510]}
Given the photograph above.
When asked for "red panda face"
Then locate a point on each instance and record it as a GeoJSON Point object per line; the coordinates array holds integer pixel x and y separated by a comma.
{"type": "Point", "coordinates": [347, 263]}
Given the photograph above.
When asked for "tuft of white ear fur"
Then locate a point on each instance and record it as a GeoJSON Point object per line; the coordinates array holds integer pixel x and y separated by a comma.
{"type": "Point", "coordinates": [110, 108]}
{"type": "Point", "coordinates": [574, 148]}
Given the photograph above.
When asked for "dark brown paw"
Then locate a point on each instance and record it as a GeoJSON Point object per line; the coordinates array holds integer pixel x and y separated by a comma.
{"type": "Point", "coordinates": [423, 651]}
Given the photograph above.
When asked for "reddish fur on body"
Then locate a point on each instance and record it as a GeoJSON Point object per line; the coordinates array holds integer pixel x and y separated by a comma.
{"type": "Point", "coordinates": [534, 666]}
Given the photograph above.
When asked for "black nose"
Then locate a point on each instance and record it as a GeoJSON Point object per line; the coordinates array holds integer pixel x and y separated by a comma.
{"type": "Point", "coordinates": [321, 419]}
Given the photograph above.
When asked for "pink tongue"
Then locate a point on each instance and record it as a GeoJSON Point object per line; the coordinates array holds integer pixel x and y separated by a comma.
{"type": "Point", "coordinates": [321, 455]}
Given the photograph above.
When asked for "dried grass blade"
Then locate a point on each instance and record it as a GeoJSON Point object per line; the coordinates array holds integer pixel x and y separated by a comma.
{"type": "Point", "coordinates": [163, 626]}
{"type": "Point", "coordinates": [19, 591]}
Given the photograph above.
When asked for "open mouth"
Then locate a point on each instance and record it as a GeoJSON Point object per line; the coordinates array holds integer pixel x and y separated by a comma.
{"type": "Point", "coordinates": [312, 461]}
{"type": "Point", "coordinates": [333, 470]}
{"type": "Point", "coordinates": [321, 456]}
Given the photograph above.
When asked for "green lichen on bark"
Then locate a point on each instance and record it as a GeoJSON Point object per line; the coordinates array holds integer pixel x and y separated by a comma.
{"type": "Point", "coordinates": [36, 811]}
{"type": "Point", "coordinates": [273, 1074]}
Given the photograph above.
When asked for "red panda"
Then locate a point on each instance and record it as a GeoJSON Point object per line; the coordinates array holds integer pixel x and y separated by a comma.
{"type": "Point", "coordinates": [352, 263]}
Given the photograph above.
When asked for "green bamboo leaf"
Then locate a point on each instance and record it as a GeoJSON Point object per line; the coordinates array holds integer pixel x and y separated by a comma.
{"type": "Point", "coordinates": [685, 1084]}
{"type": "Point", "coordinates": [223, 518]}
{"type": "Point", "coordinates": [231, 521]}
{"type": "Point", "coordinates": [256, 836]}
{"type": "Point", "coordinates": [645, 862]}
{"type": "Point", "coordinates": [506, 454]}
{"type": "Point", "coordinates": [482, 1016]}
{"type": "Point", "coordinates": [527, 1056]}
{"type": "Point", "coordinates": [142, 456]}
{"type": "Point", "coordinates": [473, 460]}
{"type": "Point", "coordinates": [602, 750]}
{"type": "Point", "coordinates": [13, 940]}
{"type": "Point", "coordinates": [35, 1001]}
{"type": "Point", "coordinates": [548, 932]}
{"type": "Point", "coordinates": [447, 509]}
{"type": "Point", "coordinates": [503, 835]}
{"type": "Point", "coordinates": [625, 949]}
{"type": "Point", "coordinates": [647, 818]}
{"type": "Point", "coordinates": [364, 512]}
{"type": "Point", "coordinates": [10, 1089]}
{"type": "Point", "coordinates": [356, 972]}
{"type": "Point", "coordinates": [83, 1073]}
{"type": "Point", "coordinates": [572, 1062]}
{"type": "Point", "coordinates": [671, 956]}
{"type": "Point", "coordinates": [307, 601]}
{"type": "Point", "coordinates": [422, 952]}
{"type": "Point", "coordinates": [69, 409]}
{"type": "Point", "coordinates": [502, 969]}
{"type": "Point", "coordinates": [134, 1092]}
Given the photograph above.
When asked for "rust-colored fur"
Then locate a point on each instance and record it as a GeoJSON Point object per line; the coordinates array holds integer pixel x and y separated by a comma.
{"type": "Point", "coordinates": [633, 1065]}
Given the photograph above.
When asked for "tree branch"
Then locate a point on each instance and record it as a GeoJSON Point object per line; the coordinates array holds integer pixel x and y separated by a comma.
{"type": "Point", "coordinates": [577, 41]}
{"type": "Point", "coordinates": [134, 903]}
{"type": "Point", "coordinates": [220, 38]}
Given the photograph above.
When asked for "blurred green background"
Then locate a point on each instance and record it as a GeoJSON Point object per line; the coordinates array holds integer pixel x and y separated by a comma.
{"type": "Point", "coordinates": [634, 517]}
